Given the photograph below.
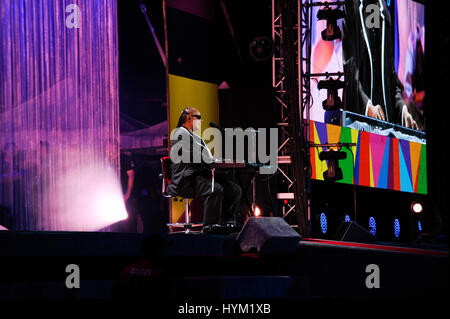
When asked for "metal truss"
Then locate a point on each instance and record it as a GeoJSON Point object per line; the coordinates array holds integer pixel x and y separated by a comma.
{"type": "Point", "coordinates": [293, 186]}
{"type": "Point", "coordinates": [291, 33]}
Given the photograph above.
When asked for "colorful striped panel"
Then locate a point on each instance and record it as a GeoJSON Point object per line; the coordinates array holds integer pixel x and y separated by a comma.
{"type": "Point", "coordinates": [376, 161]}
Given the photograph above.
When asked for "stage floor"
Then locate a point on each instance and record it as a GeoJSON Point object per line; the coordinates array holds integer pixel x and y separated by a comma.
{"type": "Point", "coordinates": [33, 265]}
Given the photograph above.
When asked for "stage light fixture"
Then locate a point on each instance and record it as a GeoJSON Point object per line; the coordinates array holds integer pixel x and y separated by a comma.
{"type": "Point", "coordinates": [372, 226]}
{"type": "Point", "coordinates": [323, 223]}
{"type": "Point", "coordinates": [333, 101]}
{"type": "Point", "coordinates": [416, 207]}
{"type": "Point", "coordinates": [347, 218]}
{"type": "Point", "coordinates": [396, 228]}
{"type": "Point", "coordinates": [332, 32]}
{"type": "Point", "coordinates": [261, 49]}
{"type": "Point", "coordinates": [334, 172]}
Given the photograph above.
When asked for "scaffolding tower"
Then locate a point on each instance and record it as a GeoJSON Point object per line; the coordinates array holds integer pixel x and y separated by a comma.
{"type": "Point", "coordinates": [291, 80]}
{"type": "Point", "coordinates": [291, 97]}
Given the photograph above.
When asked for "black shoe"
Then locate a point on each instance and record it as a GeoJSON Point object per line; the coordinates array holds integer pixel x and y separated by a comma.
{"type": "Point", "coordinates": [231, 228]}
{"type": "Point", "coordinates": [212, 229]}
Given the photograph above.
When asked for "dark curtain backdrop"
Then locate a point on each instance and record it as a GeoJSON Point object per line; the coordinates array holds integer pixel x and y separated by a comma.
{"type": "Point", "coordinates": [59, 115]}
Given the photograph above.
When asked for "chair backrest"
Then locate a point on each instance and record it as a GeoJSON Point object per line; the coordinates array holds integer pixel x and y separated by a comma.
{"type": "Point", "coordinates": [165, 165]}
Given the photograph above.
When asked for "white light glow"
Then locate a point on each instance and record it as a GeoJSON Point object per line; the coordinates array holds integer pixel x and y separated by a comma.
{"type": "Point", "coordinates": [111, 207]}
{"type": "Point", "coordinates": [417, 208]}
{"type": "Point", "coordinates": [88, 198]}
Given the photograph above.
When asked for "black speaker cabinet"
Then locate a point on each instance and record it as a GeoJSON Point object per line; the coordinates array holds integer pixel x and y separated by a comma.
{"type": "Point", "coordinates": [268, 235]}
{"type": "Point", "coordinates": [350, 231]}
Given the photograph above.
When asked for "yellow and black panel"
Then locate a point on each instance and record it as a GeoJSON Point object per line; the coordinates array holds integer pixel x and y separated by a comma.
{"type": "Point", "coordinates": [192, 70]}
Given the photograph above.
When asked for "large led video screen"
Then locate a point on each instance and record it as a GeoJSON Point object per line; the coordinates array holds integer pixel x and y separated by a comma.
{"type": "Point", "coordinates": [379, 46]}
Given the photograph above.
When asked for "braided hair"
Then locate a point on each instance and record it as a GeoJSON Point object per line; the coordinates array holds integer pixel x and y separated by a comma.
{"type": "Point", "coordinates": [183, 116]}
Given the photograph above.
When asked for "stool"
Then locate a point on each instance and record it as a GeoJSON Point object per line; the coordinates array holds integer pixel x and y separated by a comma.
{"type": "Point", "coordinates": [168, 192]}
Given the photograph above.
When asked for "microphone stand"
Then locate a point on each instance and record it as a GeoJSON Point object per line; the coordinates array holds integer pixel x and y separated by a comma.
{"type": "Point", "coordinates": [155, 38]}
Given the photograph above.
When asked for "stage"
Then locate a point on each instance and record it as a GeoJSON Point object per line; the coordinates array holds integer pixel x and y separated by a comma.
{"type": "Point", "coordinates": [212, 267]}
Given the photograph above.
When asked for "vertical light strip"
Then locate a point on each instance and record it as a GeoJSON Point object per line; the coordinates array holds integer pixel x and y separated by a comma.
{"type": "Point", "coordinates": [59, 113]}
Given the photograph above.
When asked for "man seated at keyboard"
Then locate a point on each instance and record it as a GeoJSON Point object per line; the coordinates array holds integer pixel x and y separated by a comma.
{"type": "Point", "coordinates": [192, 176]}
{"type": "Point", "coordinates": [373, 87]}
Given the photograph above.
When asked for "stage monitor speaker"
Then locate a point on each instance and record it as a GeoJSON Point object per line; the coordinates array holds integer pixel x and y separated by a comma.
{"type": "Point", "coordinates": [268, 235]}
{"type": "Point", "coordinates": [351, 231]}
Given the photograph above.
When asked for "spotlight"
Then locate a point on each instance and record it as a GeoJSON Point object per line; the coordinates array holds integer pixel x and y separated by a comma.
{"type": "Point", "coordinates": [416, 207]}
{"type": "Point", "coordinates": [110, 206]}
{"type": "Point", "coordinates": [334, 172]}
{"type": "Point", "coordinates": [347, 218]}
{"type": "Point", "coordinates": [261, 48]}
{"type": "Point", "coordinates": [333, 102]}
{"type": "Point", "coordinates": [257, 211]}
{"type": "Point", "coordinates": [332, 32]}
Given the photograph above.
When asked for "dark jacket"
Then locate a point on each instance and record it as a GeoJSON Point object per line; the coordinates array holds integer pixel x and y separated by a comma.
{"type": "Point", "coordinates": [189, 147]}
{"type": "Point", "coordinates": [358, 43]}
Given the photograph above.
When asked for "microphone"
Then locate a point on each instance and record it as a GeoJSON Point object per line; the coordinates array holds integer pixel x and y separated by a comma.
{"type": "Point", "coordinates": [220, 128]}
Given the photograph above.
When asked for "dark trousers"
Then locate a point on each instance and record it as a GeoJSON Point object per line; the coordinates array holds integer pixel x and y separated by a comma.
{"type": "Point", "coordinates": [132, 210]}
{"type": "Point", "coordinates": [222, 203]}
